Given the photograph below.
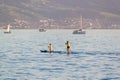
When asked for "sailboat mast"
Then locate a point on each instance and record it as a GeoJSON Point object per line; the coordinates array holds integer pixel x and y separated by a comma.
{"type": "Point", "coordinates": [81, 23]}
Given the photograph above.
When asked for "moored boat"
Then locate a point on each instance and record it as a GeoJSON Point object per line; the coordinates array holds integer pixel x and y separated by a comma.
{"type": "Point", "coordinates": [80, 31]}
{"type": "Point", "coordinates": [42, 30]}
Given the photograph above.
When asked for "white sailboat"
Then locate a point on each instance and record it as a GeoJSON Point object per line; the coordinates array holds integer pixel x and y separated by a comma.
{"type": "Point", "coordinates": [80, 31]}
{"type": "Point", "coordinates": [8, 29]}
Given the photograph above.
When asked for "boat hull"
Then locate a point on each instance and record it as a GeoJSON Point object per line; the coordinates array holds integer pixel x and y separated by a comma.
{"type": "Point", "coordinates": [42, 30]}
{"type": "Point", "coordinates": [7, 32]}
{"type": "Point", "coordinates": [79, 32]}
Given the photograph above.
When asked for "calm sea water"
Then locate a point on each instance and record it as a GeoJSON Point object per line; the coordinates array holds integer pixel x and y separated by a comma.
{"type": "Point", "coordinates": [97, 58]}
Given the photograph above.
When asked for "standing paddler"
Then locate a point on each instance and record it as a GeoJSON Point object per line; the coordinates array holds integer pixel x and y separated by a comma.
{"type": "Point", "coordinates": [50, 48]}
{"type": "Point", "coordinates": [68, 46]}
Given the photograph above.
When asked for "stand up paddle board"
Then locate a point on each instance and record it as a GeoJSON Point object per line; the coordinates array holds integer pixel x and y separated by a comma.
{"type": "Point", "coordinates": [46, 51]}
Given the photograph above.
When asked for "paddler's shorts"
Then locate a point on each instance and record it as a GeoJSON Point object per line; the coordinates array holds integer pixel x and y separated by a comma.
{"type": "Point", "coordinates": [68, 46]}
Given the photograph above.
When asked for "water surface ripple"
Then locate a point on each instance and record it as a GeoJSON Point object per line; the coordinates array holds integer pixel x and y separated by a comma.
{"type": "Point", "coordinates": [97, 55]}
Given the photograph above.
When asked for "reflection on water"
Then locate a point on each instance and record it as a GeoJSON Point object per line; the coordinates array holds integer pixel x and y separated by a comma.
{"type": "Point", "coordinates": [94, 56]}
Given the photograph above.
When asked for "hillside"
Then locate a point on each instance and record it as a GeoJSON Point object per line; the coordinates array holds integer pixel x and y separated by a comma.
{"type": "Point", "coordinates": [107, 12]}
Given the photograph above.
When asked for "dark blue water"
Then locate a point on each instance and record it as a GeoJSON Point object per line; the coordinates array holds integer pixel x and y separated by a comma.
{"type": "Point", "coordinates": [97, 55]}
